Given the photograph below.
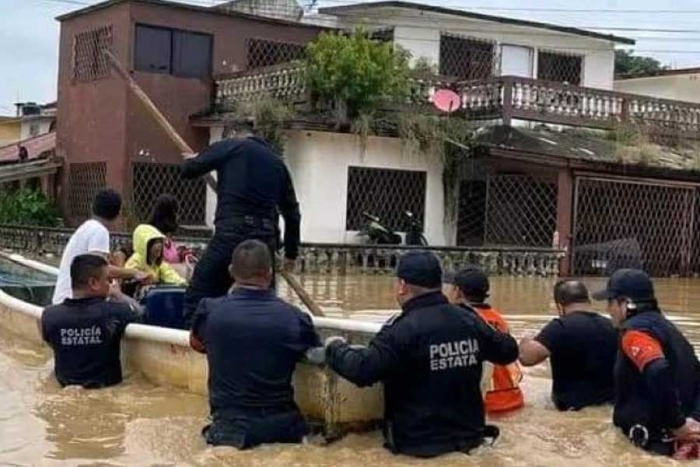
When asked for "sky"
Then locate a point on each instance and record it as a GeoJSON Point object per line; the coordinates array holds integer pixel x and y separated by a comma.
{"type": "Point", "coordinates": [29, 33]}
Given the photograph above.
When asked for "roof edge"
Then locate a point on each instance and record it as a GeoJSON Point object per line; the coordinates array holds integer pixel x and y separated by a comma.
{"type": "Point", "coordinates": [183, 6]}
{"type": "Point", "coordinates": [334, 10]}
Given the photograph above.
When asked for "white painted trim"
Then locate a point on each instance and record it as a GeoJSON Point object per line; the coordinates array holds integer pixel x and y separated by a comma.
{"type": "Point", "coordinates": [159, 334]}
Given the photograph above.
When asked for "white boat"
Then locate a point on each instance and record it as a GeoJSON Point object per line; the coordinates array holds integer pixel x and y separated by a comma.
{"type": "Point", "coordinates": [164, 356]}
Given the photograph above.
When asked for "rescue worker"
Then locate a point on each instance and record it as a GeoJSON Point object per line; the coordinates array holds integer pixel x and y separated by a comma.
{"type": "Point", "coordinates": [85, 331]}
{"type": "Point", "coordinates": [430, 359]}
{"type": "Point", "coordinates": [657, 374]}
{"type": "Point", "coordinates": [253, 341]}
{"type": "Point", "coordinates": [581, 346]}
{"type": "Point", "coordinates": [148, 256]}
{"type": "Point", "coordinates": [253, 186]}
{"type": "Point", "coordinates": [469, 289]}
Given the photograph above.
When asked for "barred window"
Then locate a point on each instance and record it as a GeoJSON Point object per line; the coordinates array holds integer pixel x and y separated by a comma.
{"type": "Point", "coordinates": [152, 180]}
{"type": "Point", "coordinates": [472, 213]}
{"type": "Point", "coordinates": [560, 67]}
{"type": "Point", "coordinates": [89, 61]}
{"type": "Point", "coordinates": [84, 181]}
{"type": "Point", "coordinates": [384, 193]}
{"type": "Point", "coordinates": [180, 53]}
{"type": "Point", "coordinates": [466, 57]}
{"type": "Point", "coordinates": [263, 52]}
{"type": "Point", "coordinates": [382, 35]}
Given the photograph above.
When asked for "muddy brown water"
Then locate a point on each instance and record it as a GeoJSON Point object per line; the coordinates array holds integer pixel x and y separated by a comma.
{"type": "Point", "coordinates": [138, 423]}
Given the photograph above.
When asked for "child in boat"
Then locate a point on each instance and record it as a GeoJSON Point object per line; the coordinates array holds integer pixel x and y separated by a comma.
{"type": "Point", "coordinates": [148, 256]}
{"type": "Point", "coordinates": [164, 218]}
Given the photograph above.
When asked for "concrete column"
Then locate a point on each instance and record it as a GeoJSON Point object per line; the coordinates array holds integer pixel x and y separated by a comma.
{"type": "Point", "coordinates": [565, 211]}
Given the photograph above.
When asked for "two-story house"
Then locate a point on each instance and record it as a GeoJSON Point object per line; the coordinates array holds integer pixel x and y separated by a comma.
{"type": "Point", "coordinates": [173, 51]}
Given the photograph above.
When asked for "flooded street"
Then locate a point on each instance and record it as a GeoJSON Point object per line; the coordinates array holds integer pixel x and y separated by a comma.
{"type": "Point", "coordinates": [138, 423]}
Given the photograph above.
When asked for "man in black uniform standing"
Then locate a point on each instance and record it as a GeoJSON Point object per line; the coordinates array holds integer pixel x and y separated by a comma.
{"type": "Point", "coordinates": [253, 341]}
{"type": "Point", "coordinates": [253, 186]}
{"type": "Point", "coordinates": [657, 374]}
{"type": "Point", "coordinates": [430, 360]}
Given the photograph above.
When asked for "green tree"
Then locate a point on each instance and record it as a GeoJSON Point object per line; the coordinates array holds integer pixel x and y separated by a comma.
{"type": "Point", "coordinates": [628, 65]}
{"type": "Point", "coordinates": [353, 73]}
{"type": "Point", "coordinates": [27, 207]}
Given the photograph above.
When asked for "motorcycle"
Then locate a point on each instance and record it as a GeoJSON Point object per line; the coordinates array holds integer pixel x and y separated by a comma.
{"type": "Point", "coordinates": [414, 232]}
{"type": "Point", "coordinates": [376, 233]}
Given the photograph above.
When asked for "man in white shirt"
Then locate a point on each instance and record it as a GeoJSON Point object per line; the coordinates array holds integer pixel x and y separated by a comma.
{"type": "Point", "coordinates": [92, 237]}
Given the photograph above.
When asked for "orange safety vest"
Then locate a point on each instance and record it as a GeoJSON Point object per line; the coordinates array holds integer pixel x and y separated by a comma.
{"type": "Point", "coordinates": [505, 394]}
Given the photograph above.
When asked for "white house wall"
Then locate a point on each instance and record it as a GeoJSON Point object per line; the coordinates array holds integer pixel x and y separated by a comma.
{"type": "Point", "coordinates": [419, 33]}
{"type": "Point", "coordinates": [319, 162]}
{"type": "Point", "coordinates": [685, 87]}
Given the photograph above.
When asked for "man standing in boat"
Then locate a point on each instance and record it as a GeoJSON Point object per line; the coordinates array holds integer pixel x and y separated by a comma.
{"type": "Point", "coordinates": [253, 186]}
{"type": "Point", "coordinates": [253, 341]}
{"type": "Point", "coordinates": [93, 237]}
{"type": "Point", "coordinates": [430, 359]}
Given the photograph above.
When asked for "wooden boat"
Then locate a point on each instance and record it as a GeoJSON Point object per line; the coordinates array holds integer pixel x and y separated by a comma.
{"type": "Point", "coordinates": [163, 356]}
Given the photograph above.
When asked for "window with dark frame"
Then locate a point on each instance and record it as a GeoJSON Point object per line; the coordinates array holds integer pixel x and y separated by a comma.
{"type": "Point", "coordinates": [89, 61]}
{"type": "Point", "coordinates": [387, 194]}
{"type": "Point", "coordinates": [466, 57]}
{"type": "Point", "coordinates": [171, 51]}
{"type": "Point", "coordinates": [385, 35]}
{"type": "Point", "coordinates": [264, 52]}
{"type": "Point", "coordinates": [560, 67]}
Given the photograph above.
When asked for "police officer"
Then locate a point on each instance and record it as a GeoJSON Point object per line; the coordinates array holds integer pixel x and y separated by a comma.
{"type": "Point", "coordinates": [253, 186]}
{"type": "Point", "coordinates": [253, 341]}
{"type": "Point", "coordinates": [85, 331]}
{"type": "Point", "coordinates": [657, 375]}
{"type": "Point", "coordinates": [430, 360]}
{"type": "Point", "coordinates": [581, 345]}
{"type": "Point", "coordinates": [469, 289]}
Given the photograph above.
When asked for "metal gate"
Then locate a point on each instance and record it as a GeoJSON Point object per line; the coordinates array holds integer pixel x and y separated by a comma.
{"type": "Point", "coordinates": [632, 223]}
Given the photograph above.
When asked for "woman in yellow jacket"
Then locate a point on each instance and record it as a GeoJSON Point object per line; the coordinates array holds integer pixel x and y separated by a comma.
{"type": "Point", "coordinates": [148, 256]}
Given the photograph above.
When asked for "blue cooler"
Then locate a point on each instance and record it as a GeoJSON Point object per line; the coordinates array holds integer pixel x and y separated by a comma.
{"type": "Point", "coordinates": [163, 306]}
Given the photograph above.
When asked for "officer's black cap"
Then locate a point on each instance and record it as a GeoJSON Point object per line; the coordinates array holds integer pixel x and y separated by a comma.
{"type": "Point", "coordinates": [420, 268]}
{"type": "Point", "coordinates": [471, 281]}
{"type": "Point", "coordinates": [628, 283]}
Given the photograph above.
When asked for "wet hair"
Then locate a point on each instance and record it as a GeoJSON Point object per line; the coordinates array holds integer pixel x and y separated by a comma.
{"type": "Point", "coordinates": [107, 204]}
{"type": "Point", "coordinates": [164, 215]}
{"type": "Point", "coordinates": [251, 260]}
{"type": "Point", "coordinates": [149, 245]}
{"type": "Point", "coordinates": [86, 267]}
{"type": "Point", "coordinates": [568, 292]}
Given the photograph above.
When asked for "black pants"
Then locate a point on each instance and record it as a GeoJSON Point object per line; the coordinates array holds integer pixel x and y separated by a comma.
{"type": "Point", "coordinates": [211, 277]}
{"type": "Point", "coordinates": [247, 430]}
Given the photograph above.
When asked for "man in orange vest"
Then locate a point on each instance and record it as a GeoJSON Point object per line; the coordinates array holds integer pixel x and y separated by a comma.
{"type": "Point", "coordinates": [469, 288]}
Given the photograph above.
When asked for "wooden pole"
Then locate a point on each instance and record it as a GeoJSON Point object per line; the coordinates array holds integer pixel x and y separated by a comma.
{"type": "Point", "coordinates": [186, 149]}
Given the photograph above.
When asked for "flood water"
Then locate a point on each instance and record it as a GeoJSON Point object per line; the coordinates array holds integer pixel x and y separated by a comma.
{"type": "Point", "coordinates": [138, 423]}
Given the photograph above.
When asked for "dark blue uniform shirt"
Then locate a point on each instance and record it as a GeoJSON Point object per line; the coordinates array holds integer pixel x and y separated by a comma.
{"type": "Point", "coordinates": [253, 342]}
{"type": "Point", "coordinates": [85, 335]}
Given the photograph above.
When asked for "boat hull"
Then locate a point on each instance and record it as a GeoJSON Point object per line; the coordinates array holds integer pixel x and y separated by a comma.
{"type": "Point", "coordinates": [164, 357]}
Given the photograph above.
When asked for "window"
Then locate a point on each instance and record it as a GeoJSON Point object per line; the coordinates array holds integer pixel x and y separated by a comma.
{"type": "Point", "coordinates": [153, 49]}
{"type": "Point", "coordinates": [180, 53]}
{"type": "Point", "coordinates": [516, 61]}
{"type": "Point", "coordinates": [85, 179]}
{"type": "Point", "coordinates": [262, 52]}
{"type": "Point", "coordinates": [382, 35]}
{"type": "Point", "coordinates": [89, 61]}
{"type": "Point", "coordinates": [384, 193]}
{"type": "Point", "coordinates": [152, 180]}
{"type": "Point", "coordinates": [465, 57]}
{"type": "Point", "coordinates": [560, 67]}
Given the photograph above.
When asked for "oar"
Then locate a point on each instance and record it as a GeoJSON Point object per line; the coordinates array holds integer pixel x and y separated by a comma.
{"type": "Point", "coordinates": [186, 149]}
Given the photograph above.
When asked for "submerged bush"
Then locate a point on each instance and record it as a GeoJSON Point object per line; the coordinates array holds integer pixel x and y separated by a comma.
{"type": "Point", "coordinates": [27, 207]}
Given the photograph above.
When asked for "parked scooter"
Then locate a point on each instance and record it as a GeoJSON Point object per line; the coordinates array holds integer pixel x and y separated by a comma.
{"type": "Point", "coordinates": [414, 232]}
{"type": "Point", "coordinates": [376, 233]}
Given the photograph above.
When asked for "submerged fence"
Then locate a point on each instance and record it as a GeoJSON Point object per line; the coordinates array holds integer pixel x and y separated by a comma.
{"type": "Point", "coordinates": [326, 258]}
